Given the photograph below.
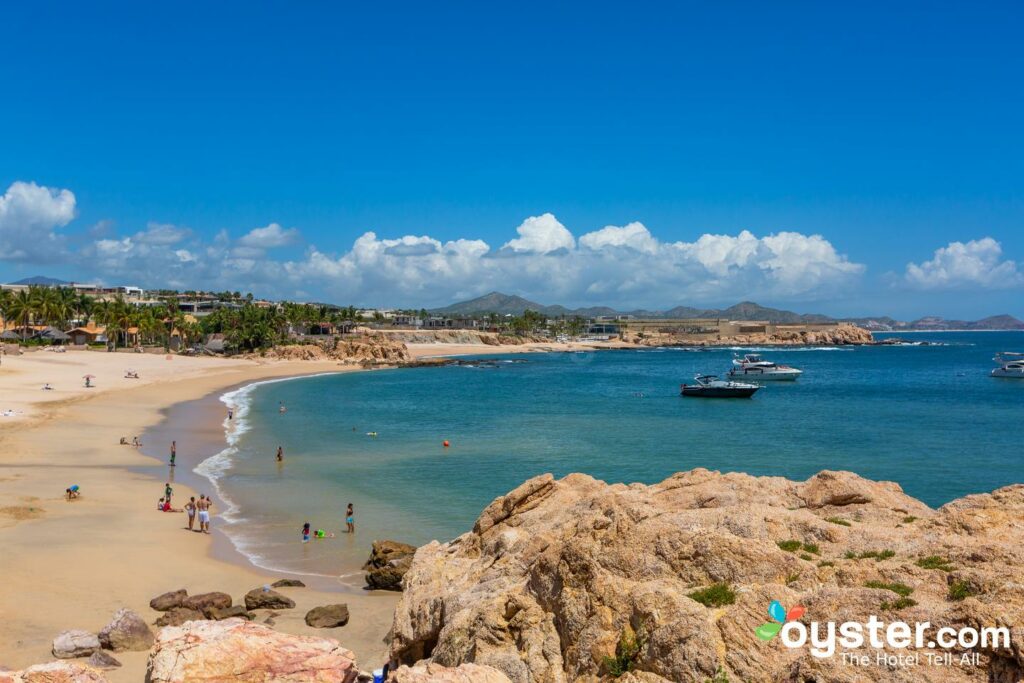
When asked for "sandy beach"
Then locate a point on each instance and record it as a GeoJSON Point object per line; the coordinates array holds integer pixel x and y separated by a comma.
{"type": "Point", "coordinates": [73, 564]}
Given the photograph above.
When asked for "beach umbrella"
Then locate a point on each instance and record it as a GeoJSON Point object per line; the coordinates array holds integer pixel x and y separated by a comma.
{"type": "Point", "coordinates": [88, 376]}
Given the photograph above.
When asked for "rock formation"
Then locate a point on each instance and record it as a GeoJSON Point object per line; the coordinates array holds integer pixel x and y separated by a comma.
{"type": "Point", "coordinates": [435, 673]}
{"type": "Point", "coordinates": [54, 672]}
{"type": "Point", "coordinates": [236, 650]}
{"type": "Point", "coordinates": [574, 579]}
{"type": "Point", "coordinates": [839, 335]}
{"type": "Point", "coordinates": [389, 560]}
{"type": "Point", "coordinates": [365, 349]}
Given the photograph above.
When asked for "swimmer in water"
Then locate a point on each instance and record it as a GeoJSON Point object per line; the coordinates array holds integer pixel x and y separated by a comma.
{"type": "Point", "coordinates": [280, 407]}
{"type": "Point", "coordinates": [280, 454]}
{"type": "Point", "coordinates": [305, 532]}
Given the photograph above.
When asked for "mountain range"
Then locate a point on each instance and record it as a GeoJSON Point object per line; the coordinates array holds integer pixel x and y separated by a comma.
{"type": "Point", "coordinates": [510, 304]}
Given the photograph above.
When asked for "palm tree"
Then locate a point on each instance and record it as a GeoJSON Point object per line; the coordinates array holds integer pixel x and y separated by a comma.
{"type": "Point", "coordinates": [20, 309]}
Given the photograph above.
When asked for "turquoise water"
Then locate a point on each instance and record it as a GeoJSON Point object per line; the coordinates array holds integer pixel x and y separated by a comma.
{"type": "Point", "coordinates": [927, 417]}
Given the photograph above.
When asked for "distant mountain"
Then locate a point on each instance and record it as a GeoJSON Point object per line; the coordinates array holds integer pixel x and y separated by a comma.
{"type": "Point", "coordinates": [993, 322]}
{"type": "Point", "coordinates": [508, 304]}
{"type": "Point", "coordinates": [41, 280]}
{"type": "Point", "coordinates": [495, 302]}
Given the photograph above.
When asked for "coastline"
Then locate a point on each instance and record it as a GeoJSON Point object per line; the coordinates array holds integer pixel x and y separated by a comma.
{"type": "Point", "coordinates": [64, 561]}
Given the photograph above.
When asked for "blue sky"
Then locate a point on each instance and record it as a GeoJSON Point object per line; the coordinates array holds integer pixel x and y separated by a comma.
{"type": "Point", "coordinates": [894, 134]}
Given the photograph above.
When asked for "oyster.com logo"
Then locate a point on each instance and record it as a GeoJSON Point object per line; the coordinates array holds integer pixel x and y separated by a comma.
{"type": "Point", "coordinates": [780, 616]}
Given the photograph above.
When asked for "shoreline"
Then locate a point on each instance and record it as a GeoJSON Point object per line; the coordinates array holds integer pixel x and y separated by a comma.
{"type": "Point", "coordinates": [64, 560]}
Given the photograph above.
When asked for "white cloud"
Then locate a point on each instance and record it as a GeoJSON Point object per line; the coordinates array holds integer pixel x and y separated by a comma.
{"type": "Point", "coordinates": [162, 234]}
{"type": "Point", "coordinates": [634, 236]}
{"type": "Point", "coordinates": [270, 237]}
{"type": "Point", "coordinates": [29, 215]}
{"type": "Point", "coordinates": [542, 235]}
{"type": "Point", "coordinates": [976, 264]}
{"type": "Point", "coordinates": [621, 266]}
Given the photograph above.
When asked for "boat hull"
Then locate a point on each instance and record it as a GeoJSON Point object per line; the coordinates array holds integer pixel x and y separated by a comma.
{"type": "Point", "coordinates": [758, 375]}
{"type": "Point", "coordinates": [697, 391]}
{"type": "Point", "coordinates": [1008, 374]}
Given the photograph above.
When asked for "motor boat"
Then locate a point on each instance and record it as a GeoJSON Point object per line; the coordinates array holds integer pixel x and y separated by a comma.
{"type": "Point", "coordinates": [1010, 365]}
{"type": "Point", "coordinates": [754, 368]}
{"type": "Point", "coordinates": [709, 386]}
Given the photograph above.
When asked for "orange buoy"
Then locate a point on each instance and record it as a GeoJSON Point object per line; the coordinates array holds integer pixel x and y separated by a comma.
{"type": "Point", "coordinates": [446, 444]}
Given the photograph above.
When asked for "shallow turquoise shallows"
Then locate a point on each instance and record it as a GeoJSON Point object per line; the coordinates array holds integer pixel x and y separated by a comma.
{"type": "Point", "coordinates": [927, 417]}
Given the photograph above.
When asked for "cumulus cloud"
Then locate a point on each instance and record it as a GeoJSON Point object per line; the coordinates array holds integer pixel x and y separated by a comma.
{"type": "Point", "coordinates": [977, 264]}
{"type": "Point", "coordinates": [614, 265]}
{"type": "Point", "coordinates": [622, 266]}
{"type": "Point", "coordinates": [541, 235]}
{"type": "Point", "coordinates": [270, 237]}
{"type": "Point", "coordinates": [29, 216]}
{"type": "Point", "coordinates": [633, 236]}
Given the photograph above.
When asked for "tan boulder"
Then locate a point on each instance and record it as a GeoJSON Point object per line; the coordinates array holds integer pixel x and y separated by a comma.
{"type": "Point", "coordinates": [237, 650]}
{"type": "Point", "coordinates": [54, 672]}
{"type": "Point", "coordinates": [435, 673]}
{"type": "Point", "coordinates": [575, 579]}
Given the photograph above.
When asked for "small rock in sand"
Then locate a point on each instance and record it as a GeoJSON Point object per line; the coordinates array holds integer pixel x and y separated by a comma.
{"type": "Point", "coordinates": [102, 660]}
{"type": "Point", "coordinates": [327, 616]}
{"type": "Point", "coordinates": [126, 631]}
{"type": "Point", "coordinates": [204, 601]}
{"type": "Point", "coordinates": [169, 600]}
{"type": "Point", "coordinates": [75, 643]}
{"type": "Point", "coordinates": [287, 583]}
{"type": "Point", "coordinates": [219, 614]}
{"type": "Point", "coordinates": [176, 616]}
{"type": "Point", "coordinates": [259, 598]}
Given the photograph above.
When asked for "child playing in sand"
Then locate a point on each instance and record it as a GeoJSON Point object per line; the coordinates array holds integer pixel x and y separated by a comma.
{"type": "Point", "coordinates": [71, 491]}
{"type": "Point", "coordinates": [305, 532]}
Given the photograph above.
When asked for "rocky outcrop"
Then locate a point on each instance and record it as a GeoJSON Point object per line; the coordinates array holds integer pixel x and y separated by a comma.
{"type": "Point", "coordinates": [235, 650]}
{"type": "Point", "coordinates": [838, 335]}
{"type": "Point", "coordinates": [574, 579]}
{"type": "Point", "coordinates": [176, 616]}
{"type": "Point", "coordinates": [435, 673]}
{"type": "Point", "coordinates": [367, 349]}
{"type": "Point", "coordinates": [264, 598]}
{"type": "Point", "coordinates": [388, 563]}
{"type": "Point", "coordinates": [169, 600]}
{"type": "Point", "coordinates": [287, 583]}
{"type": "Point", "coordinates": [126, 631]}
{"type": "Point", "coordinates": [75, 643]}
{"type": "Point", "coordinates": [205, 601]}
{"type": "Point", "coordinates": [54, 672]}
{"type": "Point", "coordinates": [327, 616]}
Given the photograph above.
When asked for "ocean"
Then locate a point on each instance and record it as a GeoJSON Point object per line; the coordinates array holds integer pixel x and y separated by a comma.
{"type": "Point", "coordinates": [928, 417]}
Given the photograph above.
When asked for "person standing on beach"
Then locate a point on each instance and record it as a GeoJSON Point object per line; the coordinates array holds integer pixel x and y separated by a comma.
{"type": "Point", "coordinates": [168, 491]}
{"type": "Point", "coordinates": [305, 532]}
{"type": "Point", "coordinates": [204, 505]}
{"type": "Point", "coordinates": [280, 454]}
{"type": "Point", "coordinates": [174, 452]}
{"type": "Point", "coordinates": [350, 520]}
{"type": "Point", "coordinates": [190, 508]}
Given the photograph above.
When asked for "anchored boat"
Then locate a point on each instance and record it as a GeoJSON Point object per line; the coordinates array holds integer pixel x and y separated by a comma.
{"type": "Point", "coordinates": [753, 367]}
{"type": "Point", "coordinates": [709, 386]}
{"type": "Point", "coordinates": [1010, 365]}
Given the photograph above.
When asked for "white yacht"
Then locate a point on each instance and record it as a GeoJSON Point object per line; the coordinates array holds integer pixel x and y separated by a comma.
{"type": "Point", "coordinates": [1010, 365]}
{"type": "Point", "coordinates": [753, 367]}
